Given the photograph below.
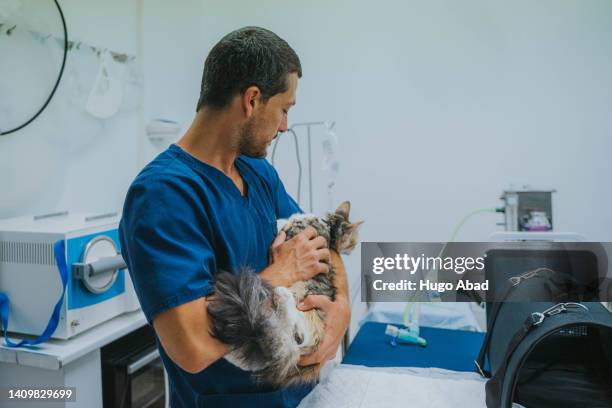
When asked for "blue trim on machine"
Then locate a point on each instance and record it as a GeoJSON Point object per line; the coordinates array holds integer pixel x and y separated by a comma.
{"type": "Point", "coordinates": [79, 296]}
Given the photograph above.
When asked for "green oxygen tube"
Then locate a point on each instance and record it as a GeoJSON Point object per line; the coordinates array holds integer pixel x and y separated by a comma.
{"type": "Point", "coordinates": [412, 311]}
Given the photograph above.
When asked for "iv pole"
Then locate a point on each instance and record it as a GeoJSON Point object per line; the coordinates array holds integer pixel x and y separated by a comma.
{"type": "Point", "coordinates": [308, 126]}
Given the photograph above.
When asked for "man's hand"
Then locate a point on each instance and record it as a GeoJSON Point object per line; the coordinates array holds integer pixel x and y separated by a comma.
{"type": "Point", "coordinates": [298, 259]}
{"type": "Point", "coordinates": [337, 318]}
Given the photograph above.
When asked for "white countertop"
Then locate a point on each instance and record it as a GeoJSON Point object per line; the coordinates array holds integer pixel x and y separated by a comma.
{"type": "Point", "coordinates": [54, 354]}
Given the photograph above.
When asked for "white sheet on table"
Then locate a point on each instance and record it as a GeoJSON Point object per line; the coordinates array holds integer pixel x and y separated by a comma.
{"type": "Point", "coordinates": [365, 387]}
{"type": "Point", "coordinates": [457, 316]}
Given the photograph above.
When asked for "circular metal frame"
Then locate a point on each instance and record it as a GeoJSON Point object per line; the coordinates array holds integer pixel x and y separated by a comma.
{"type": "Point", "coordinates": [86, 282]}
{"type": "Point", "coordinates": [59, 77]}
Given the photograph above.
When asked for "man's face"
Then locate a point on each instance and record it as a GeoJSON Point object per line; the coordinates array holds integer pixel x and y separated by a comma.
{"type": "Point", "coordinates": [268, 119]}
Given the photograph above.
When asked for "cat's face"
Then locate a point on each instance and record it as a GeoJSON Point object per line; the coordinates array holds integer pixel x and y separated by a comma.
{"type": "Point", "coordinates": [347, 233]}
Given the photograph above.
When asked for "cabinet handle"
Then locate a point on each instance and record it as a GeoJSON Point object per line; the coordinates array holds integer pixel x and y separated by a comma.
{"type": "Point", "coordinates": [143, 361]}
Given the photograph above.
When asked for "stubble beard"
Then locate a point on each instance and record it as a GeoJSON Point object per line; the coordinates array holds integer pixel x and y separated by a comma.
{"type": "Point", "coordinates": [248, 144]}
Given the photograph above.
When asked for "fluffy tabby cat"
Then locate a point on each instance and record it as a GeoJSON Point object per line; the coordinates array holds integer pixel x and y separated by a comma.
{"type": "Point", "coordinates": [266, 332]}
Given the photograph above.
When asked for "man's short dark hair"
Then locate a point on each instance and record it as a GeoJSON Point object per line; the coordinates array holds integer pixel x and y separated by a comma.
{"type": "Point", "coordinates": [246, 57]}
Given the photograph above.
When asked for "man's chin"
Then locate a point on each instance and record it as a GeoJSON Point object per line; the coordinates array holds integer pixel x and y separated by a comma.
{"type": "Point", "coordinates": [256, 154]}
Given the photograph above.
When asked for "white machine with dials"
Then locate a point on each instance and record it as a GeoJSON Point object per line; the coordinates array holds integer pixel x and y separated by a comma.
{"type": "Point", "coordinates": [97, 286]}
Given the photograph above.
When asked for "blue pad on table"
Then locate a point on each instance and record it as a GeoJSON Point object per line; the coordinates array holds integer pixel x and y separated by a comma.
{"type": "Point", "coordinates": [449, 349]}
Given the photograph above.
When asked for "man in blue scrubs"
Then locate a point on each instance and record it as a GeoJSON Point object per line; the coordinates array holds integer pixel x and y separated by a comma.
{"type": "Point", "coordinates": [210, 203]}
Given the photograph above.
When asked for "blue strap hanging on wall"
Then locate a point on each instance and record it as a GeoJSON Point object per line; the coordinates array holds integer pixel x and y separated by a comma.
{"type": "Point", "coordinates": [59, 249]}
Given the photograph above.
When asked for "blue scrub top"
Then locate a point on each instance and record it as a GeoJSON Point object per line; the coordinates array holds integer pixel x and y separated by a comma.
{"type": "Point", "coordinates": [183, 221]}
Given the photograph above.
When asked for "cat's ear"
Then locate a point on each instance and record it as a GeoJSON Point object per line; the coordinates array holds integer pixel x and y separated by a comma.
{"type": "Point", "coordinates": [355, 225]}
{"type": "Point", "coordinates": [344, 209]}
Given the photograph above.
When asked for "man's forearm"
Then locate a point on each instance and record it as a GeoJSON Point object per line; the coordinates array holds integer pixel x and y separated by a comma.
{"type": "Point", "coordinates": [184, 332]}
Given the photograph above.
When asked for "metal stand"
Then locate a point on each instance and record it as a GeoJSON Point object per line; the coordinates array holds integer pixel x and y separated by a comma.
{"type": "Point", "coordinates": [309, 125]}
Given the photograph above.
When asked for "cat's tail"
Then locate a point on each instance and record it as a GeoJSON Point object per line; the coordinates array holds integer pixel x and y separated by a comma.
{"type": "Point", "coordinates": [235, 309]}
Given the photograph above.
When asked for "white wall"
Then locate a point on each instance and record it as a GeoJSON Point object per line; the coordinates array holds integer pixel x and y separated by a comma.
{"type": "Point", "coordinates": [67, 159]}
{"type": "Point", "coordinates": [439, 105]}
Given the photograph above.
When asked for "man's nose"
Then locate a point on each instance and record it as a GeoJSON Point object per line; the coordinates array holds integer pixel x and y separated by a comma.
{"type": "Point", "coordinates": [283, 125]}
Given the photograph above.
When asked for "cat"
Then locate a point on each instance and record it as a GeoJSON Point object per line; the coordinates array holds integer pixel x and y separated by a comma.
{"type": "Point", "coordinates": [262, 326]}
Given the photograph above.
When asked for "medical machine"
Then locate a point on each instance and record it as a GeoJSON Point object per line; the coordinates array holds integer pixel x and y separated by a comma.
{"type": "Point", "coordinates": [527, 209]}
{"type": "Point", "coordinates": [75, 258]}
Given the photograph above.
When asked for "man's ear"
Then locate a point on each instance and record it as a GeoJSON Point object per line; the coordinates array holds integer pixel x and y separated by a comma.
{"type": "Point", "coordinates": [251, 98]}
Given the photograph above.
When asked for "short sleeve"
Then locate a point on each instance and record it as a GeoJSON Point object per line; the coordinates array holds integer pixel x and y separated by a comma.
{"type": "Point", "coordinates": [166, 241]}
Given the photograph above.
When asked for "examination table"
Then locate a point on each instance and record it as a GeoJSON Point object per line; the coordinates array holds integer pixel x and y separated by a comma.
{"type": "Point", "coordinates": [374, 374]}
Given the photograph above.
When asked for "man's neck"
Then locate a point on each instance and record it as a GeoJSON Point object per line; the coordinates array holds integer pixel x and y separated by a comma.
{"type": "Point", "coordinates": [211, 138]}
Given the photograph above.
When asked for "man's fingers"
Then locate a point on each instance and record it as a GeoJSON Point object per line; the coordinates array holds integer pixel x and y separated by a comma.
{"type": "Point", "coordinates": [319, 242]}
{"type": "Point", "coordinates": [280, 238]}
{"type": "Point", "coordinates": [323, 255]}
{"type": "Point", "coordinates": [310, 359]}
{"type": "Point", "coordinates": [314, 302]}
{"type": "Point", "coordinates": [323, 354]}
{"type": "Point", "coordinates": [305, 305]}
{"type": "Point", "coordinates": [322, 268]}
{"type": "Point", "coordinates": [309, 232]}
